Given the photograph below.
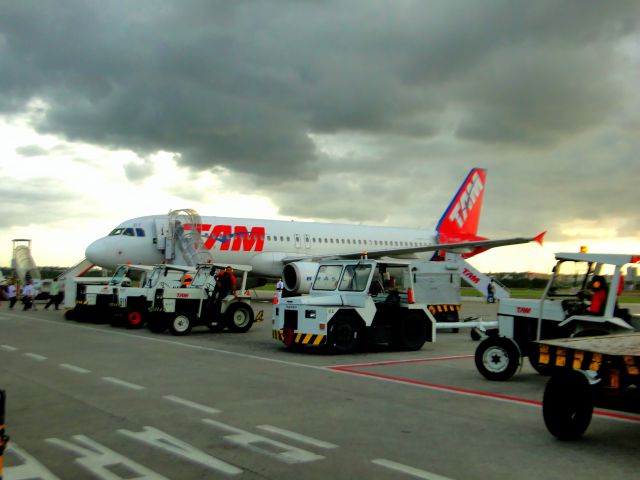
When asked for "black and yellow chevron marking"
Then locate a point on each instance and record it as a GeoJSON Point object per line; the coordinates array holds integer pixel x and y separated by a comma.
{"type": "Point", "coordinates": [302, 338]}
{"type": "Point", "coordinates": [443, 308]}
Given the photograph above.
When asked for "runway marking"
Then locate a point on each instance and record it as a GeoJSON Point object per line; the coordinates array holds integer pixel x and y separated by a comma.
{"type": "Point", "coordinates": [8, 348]}
{"type": "Point", "coordinates": [23, 466]}
{"type": "Point", "coordinates": [255, 443]}
{"type": "Point", "coordinates": [122, 383]}
{"type": "Point", "coordinates": [345, 370]}
{"type": "Point", "coordinates": [159, 439]}
{"type": "Point", "coordinates": [35, 356]}
{"type": "Point", "coordinates": [414, 472]}
{"type": "Point", "coordinates": [191, 404]}
{"type": "Point", "coordinates": [297, 436]}
{"type": "Point", "coordinates": [73, 368]}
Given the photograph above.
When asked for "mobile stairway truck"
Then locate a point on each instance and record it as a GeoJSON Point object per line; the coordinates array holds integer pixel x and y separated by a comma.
{"type": "Point", "coordinates": [355, 302]}
{"type": "Point", "coordinates": [561, 312]}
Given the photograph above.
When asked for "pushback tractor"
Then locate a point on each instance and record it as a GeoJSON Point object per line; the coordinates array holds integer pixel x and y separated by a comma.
{"type": "Point", "coordinates": [357, 302]}
{"type": "Point", "coordinates": [567, 309]}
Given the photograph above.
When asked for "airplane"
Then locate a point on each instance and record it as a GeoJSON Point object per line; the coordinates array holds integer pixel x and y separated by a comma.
{"type": "Point", "coordinates": [291, 249]}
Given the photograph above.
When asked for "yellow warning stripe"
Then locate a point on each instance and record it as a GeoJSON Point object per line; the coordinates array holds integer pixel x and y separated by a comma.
{"type": "Point", "coordinates": [301, 338]}
{"type": "Point", "coordinates": [443, 308]}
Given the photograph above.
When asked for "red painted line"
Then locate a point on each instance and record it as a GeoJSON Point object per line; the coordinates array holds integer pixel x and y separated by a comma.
{"type": "Point", "coordinates": [398, 362]}
{"type": "Point", "coordinates": [476, 393]}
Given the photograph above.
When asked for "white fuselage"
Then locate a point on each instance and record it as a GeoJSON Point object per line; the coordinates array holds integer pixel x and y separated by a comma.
{"type": "Point", "coordinates": [263, 244]}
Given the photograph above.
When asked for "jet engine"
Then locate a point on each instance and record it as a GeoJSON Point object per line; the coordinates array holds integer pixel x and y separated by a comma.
{"type": "Point", "coordinates": [298, 276]}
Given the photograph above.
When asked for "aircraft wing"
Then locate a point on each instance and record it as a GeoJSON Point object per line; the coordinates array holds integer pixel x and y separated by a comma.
{"type": "Point", "coordinates": [407, 252]}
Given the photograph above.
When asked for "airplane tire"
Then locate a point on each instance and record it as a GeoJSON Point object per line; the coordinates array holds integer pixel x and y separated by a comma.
{"type": "Point", "coordinates": [239, 317]}
{"type": "Point", "coordinates": [567, 405]}
{"type": "Point", "coordinates": [497, 358]}
{"type": "Point", "coordinates": [181, 324]}
{"type": "Point", "coordinates": [412, 332]}
{"type": "Point", "coordinates": [342, 335]}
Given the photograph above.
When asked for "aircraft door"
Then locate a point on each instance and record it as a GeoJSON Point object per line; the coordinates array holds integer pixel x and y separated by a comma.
{"type": "Point", "coordinates": [307, 241]}
{"type": "Point", "coordinates": [298, 243]}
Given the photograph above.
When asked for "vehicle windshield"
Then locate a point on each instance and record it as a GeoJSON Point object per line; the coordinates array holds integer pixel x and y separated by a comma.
{"type": "Point", "coordinates": [355, 277]}
{"type": "Point", "coordinates": [202, 276]}
{"type": "Point", "coordinates": [155, 277]}
{"type": "Point", "coordinates": [118, 275]}
{"type": "Point", "coordinates": [570, 278]}
{"type": "Point", "coordinates": [327, 277]}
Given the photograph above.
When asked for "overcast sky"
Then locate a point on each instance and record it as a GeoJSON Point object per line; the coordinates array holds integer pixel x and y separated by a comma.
{"type": "Point", "coordinates": [347, 111]}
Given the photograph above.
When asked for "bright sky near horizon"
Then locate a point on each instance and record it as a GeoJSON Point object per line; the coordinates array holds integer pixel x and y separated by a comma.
{"type": "Point", "coordinates": [325, 112]}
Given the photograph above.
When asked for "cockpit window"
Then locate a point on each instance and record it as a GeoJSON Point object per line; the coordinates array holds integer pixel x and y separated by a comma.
{"type": "Point", "coordinates": [139, 232]}
{"type": "Point", "coordinates": [116, 231]}
{"type": "Point", "coordinates": [128, 232]}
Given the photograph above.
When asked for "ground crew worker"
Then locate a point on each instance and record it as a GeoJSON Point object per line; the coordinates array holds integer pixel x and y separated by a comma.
{"type": "Point", "coordinates": [279, 288]}
{"type": "Point", "coordinates": [27, 295]}
{"type": "Point", "coordinates": [186, 280]}
{"type": "Point", "coordinates": [55, 298]}
{"type": "Point", "coordinates": [12, 295]}
{"type": "Point", "coordinates": [491, 290]}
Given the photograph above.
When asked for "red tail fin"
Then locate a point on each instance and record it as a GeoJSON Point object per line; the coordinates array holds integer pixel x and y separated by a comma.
{"type": "Point", "coordinates": [460, 220]}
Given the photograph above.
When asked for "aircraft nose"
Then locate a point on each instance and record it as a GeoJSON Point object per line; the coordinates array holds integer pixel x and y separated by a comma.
{"type": "Point", "coordinates": [96, 253]}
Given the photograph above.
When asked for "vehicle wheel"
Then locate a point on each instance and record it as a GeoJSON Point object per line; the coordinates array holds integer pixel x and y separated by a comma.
{"type": "Point", "coordinates": [342, 336]}
{"type": "Point", "coordinates": [135, 319]}
{"type": "Point", "coordinates": [157, 323]}
{"type": "Point", "coordinates": [567, 405]}
{"type": "Point", "coordinates": [412, 332]}
{"type": "Point", "coordinates": [239, 317]}
{"type": "Point", "coordinates": [69, 314]}
{"type": "Point", "coordinates": [497, 358]}
{"type": "Point", "coordinates": [181, 324]}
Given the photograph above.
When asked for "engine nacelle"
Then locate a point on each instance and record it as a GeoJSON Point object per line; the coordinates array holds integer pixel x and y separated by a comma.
{"type": "Point", "coordinates": [298, 276]}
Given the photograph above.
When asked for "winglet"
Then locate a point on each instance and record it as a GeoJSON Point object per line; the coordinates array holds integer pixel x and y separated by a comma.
{"type": "Point", "coordinates": [540, 237]}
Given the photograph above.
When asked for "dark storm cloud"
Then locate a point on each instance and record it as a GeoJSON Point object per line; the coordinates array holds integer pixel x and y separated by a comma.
{"type": "Point", "coordinates": [246, 85]}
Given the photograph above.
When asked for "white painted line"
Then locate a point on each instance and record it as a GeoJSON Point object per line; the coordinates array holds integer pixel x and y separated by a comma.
{"type": "Point", "coordinates": [122, 383]}
{"type": "Point", "coordinates": [35, 356]}
{"type": "Point", "coordinates": [8, 348]}
{"type": "Point", "coordinates": [298, 437]}
{"type": "Point", "coordinates": [73, 368]}
{"type": "Point", "coordinates": [414, 472]}
{"type": "Point", "coordinates": [188, 403]}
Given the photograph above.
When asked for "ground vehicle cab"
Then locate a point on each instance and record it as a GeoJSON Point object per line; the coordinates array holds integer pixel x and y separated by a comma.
{"type": "Point", "coordinates": [563, 311]}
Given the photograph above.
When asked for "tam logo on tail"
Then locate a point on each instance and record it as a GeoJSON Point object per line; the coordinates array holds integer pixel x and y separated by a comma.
{"type": "Point", "coordinates": [462, 217]}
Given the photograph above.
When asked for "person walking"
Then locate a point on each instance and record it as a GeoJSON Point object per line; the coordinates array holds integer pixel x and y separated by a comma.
{"type": "Point", "coordinates": [12, 295]}
{"type": "Point", "coordinates": [491, 291]}
{"type": "Point", "coordinates": [54, 299]}
{"type": "Point", "coordinates": [27, 295]}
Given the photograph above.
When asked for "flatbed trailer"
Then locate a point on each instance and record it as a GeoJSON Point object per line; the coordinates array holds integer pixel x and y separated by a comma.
{"type": "Point", "coordinates": [589, 372]}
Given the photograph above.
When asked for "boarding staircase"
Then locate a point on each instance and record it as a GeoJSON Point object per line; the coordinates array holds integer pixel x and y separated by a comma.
{"type": "Point", "coordinates": [22, 263]}
{"type": "Point", "coordinates": [184, 244]}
